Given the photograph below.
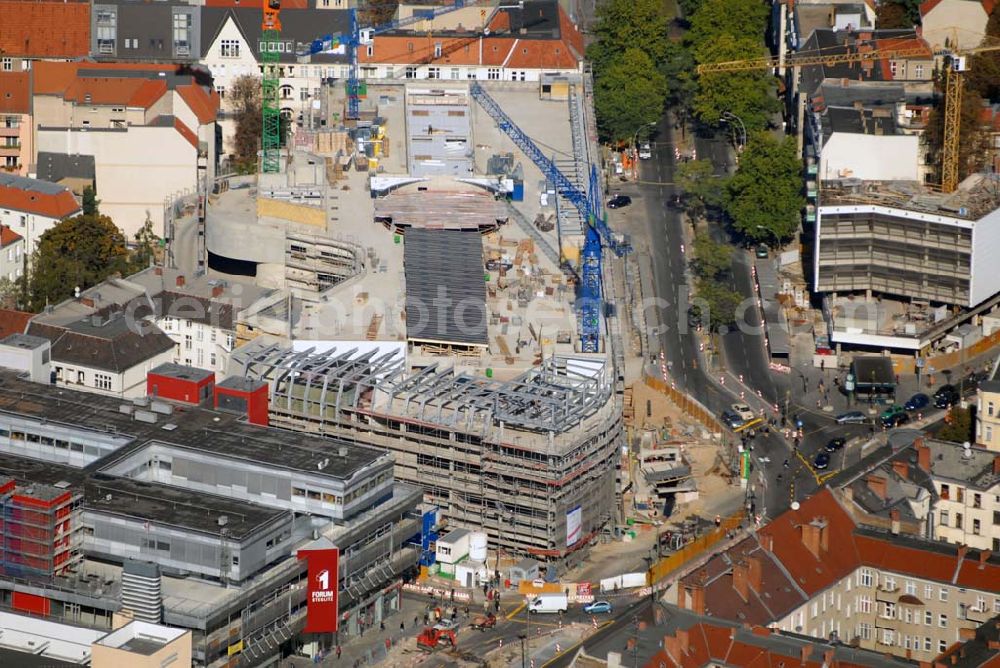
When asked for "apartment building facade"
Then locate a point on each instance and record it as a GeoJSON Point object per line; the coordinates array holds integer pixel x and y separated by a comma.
{"type": "Point", "coordinates": [31, 207]}
{"type": "Point", "coordinates": [15, 121]}
{"type": "Point", "coordinates": [815, 571]}
{"type": "Point", "coordinates": [11, 254]}
{"type": "Point", "coordinates": [988, 415]}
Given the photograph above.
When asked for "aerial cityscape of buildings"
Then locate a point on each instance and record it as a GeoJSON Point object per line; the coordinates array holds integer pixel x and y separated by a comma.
{"type": "Point", "coordinates": [396, 333]}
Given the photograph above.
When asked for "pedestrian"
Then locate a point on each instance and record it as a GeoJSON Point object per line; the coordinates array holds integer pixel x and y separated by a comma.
{"type": "Point", "coordinates": [425, 618]}
{"type": "Point", "coordinates": [822, 365]}
{"type": "Point", "coordinates": [338, 650]}
{"type": "Point", "coordinates": [416, 620]}
{"type": "Point", "coordinates": [402, 627]}
{"type": "Point", "coordinates": [718, 521]}
{"type": "Point", "coordinates": [466, 611]}
{"type": "Point", "coordinates": [452, 595]}
{"type": "Point", "coordinates": [485, 588]}
{"type": "Point", "coordinates": [496, 603]}
{"type": "Point", "coordinates": [381, 626]}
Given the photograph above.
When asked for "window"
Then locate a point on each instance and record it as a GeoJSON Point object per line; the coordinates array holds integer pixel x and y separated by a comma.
{"type": "Point", "coordinates": [182, 34]}
{"type": "Point", "coordinates": [943, 620]}
{"type": "Point", "coordinates": [236, 560]}
{"type": "Point", "coordinates": [887, 636]}
{"type": "Point", "coordinates": [942, 646]}
{"type": "Point", "coordinates": [221, 90]}
{"type": "Point", "coordinates": [7, 64]}
{"type": "Point", "coordinates": [433, 72]}
{"type": "Point", "coordinates": [298, 491]}
{"type": "Point", "coordinates": [890, 583]}
{"type": "Point", "coordinates": [918, 73]}
{"type": "Point", "coordinates": [493, 74]}
{"type": "Point", "coordinates": [437, 49]}
{"type": "Point", "coordinates": [975, 527]}
{"type": "Point", "coordinates": [815, 609]}
{"type": "Point", "coordinates": [81, 377]}
{"type": "Point", "coordinates": [865, 631]}
{"type": "Point", "coordinates": [107, 31]}
{"type": "Point", "coordinates": [201, 357]}
{"type": "Point", "coordinates": [945, 491]}
{"type": "Point", "coordinates": [959, 523]}
{"type": "Point", "coordinates": [865, 605]}
{"type": "Point", "coordinates": [943, 594]}
{"type": "Point", "coordinates": [960, 492]}
{"type": "Point", "coordinates": [455, 73]}
{"type": "Point", "coordinates": [927, 644]}
{"type": "Point", "coordinates": [928, 618]}
{"type": "Point", "coordinates": [996, 605]}
{"type": "Point", "coordinates": [944, 516]}
{"type": "Point", "coordinates": [989, 409]}
{"type": "Point", "coordinates": [187, 342]}
{"type": "Point", "coordinates": [911, 588]}
{"type": "Point", "coordinates": [211, 360]}
{"type": "Point", "coordinates": [865, 577]}
{"type": "Point", "coordinates": [102, 381]}
{"type": "Point", "coordinates": [411, 72]}
{"type": "Point", "coordinates": [977, 500]}
{"type": "Point", "coordinates": [890, 611]}
{"type": "Point", "coordinates": [229, 48]}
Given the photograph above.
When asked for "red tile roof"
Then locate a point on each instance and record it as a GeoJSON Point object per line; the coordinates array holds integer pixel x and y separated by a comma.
{"type": "Point", "coordinates": [285, 4]}
{"type": "Point", "coordinates": [13, 322]}
{"type": "Point", "coordinates": [928, 6]}
{"type": "Point", "coordinates": [54, 77]}
{"type": "Point", "coordinates": [186, 132]}
{"type": "Point", "coordinates": [989, 6]}
{"type": "Point", "coordinates": [45, 29]}
{"type": "Point", "coordinates": [128, 92]}
{"type": "Point", "coordinates": [15, 92]}
{"type": "Point", "coordinates": [8, 236]}
{"type": "Point", "coordinates": [205, 105]}
{"type": "Point", "coordinates": [793, 570]}
{"type": "Point", "coordinates": [32, 201]}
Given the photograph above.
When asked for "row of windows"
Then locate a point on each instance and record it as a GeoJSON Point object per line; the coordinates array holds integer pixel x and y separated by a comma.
{"type": "Point", "coordinates": [16, 436]}
{"type": "Point", "coordinates": [890, 637]}
{"type": "Point", "coordinates": [337, 499]}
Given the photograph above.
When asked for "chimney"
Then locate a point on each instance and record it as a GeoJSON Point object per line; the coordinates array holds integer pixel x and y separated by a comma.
{"type": "Point", "coordinates": [697, 593]}
{"type": "Point", "coordinates": [828, 658]}
{"type": "Point", "coordinates": [966, 634]}
{"type": "Point", "coordinates": [158, 271]}
{"type": "Point", "coordinates": [766, 541]}
{"type": "Point", "coordinates": [962, 551]}
{"type": "Point", "coordinates": [984, 555]}
{"type": "Point", "coordinates": [902, 469]}
{"type": "Point", "coordinates": [806, 651]}
{"type": "Point", "coordinates": [894, 523]}
{"type": "Point", "coordinates": [923, 455]}
{"type": "Point", "coordinates": [682, 639]}
{"type": "Point", "coordinates": [877, 484]}
{"type": "Point", "coordinates": [217, 291]}
{"type": "Point", "coordinates": [180, 281]}
{"type": "Point", "coordinates": [755, 572]}
{"type": "Point", "coordinates": [741, 581]}
{"type": "Point", "coordinates": [672, 647]}
{"type": "Point", "coordinates": [996, 465]}
{"type": "Point", "coordinates": [815, 536]}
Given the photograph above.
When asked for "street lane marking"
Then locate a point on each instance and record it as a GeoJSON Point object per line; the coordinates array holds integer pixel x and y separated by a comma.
{"type": "Point", "coordinates": [513, 613]}
{"type": "Point", "coordinates": [574, 646]}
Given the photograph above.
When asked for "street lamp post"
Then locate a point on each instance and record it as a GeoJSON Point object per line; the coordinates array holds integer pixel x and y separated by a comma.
{"type": "Point", "coordinates": [741, 129]}
{"type": "Point", "coordinates": [635, 146]}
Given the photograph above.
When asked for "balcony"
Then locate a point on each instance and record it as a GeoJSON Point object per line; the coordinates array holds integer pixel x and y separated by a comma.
{"type": "Point", "coordinates": [10, 151]}
{"type": "Point", "coordinates": [10, 131]}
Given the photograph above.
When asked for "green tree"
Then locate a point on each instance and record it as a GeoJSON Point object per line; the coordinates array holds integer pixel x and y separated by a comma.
{"type": "Point", "coordinates": [749, 95]}
{"type": "Point", "coordinates": [90, 202]}
{"type": "Point", "coordinates": [678, 68]}
{"type": "Point", "coordinates": [689, 8]}
{"type": "Point", "coordinates": [721, 301]}
{"type": "Point", "coordinates": [628, 24]}
{"type": "Point", "coordinates": [9, 292]}
{"type": "Point", "coordinates": [144, 252]}
{"type": "Point", "coordinates": [736, 18]}
{"type": "Point", "coordinates": [628, 94]}
{"type": "Point", "coordinates": [984, 68]}
{"type": "Point", "coordinates": [78, 252]}
{"type": "Point", "coordinates": [889, 15]}
{"type": "Point", "coordinates": [765, 194]}
{"type": "Point", "coordinates": [958, 428]}
{"type": "Point", "coordinates": [712, 259]}
{"type": "Point", "coordinates": [245, 102]}
{"type": "Point", "coordinates": [700, 184]}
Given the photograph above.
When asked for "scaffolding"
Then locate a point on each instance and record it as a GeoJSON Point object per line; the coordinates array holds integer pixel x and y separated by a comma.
{"type": "Point", "coordinates": [41, 529]}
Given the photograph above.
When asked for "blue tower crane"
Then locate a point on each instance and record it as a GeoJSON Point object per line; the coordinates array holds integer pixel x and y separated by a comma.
{"type": "Point", "coordinates": [363, 36]}
{"type": "Point", "coordinates": [588, 204]}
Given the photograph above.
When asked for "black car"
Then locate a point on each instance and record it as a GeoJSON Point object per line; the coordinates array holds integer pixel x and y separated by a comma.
{"type": "Point", "coordinates": [618, 201]}
{"type": "Point", "coordinates": [822, 461]}
{"type": "Point", "coordinates": [946, 396]}
{"type": "Point", "coordinates": [895, 420]}
{"type": "Point", "coordinates": [835, 444]}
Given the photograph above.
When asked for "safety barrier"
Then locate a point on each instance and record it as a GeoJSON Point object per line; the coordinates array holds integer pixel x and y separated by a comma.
{"type": "Point", "coordinates": [694, 549]}
{"type": "Point", "coordinates": [691, 407]}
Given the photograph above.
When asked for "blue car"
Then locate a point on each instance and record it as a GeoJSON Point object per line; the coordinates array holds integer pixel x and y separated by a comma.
{"type": "Point", "coordinates": [917, 401]}
{"type": "Point", "coordinates": [598, 607]}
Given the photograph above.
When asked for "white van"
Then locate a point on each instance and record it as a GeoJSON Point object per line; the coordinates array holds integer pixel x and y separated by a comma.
{"type": "Point", "coordinates": [548, 603]}
{"type": "Point", "coordinates": [645, 151]}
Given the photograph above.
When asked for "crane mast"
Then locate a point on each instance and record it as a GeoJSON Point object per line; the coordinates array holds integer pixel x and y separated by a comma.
{"type": "Point", "coordinates": [270, 162]}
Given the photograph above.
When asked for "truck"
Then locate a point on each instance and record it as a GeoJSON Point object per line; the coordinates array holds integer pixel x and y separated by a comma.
{"type": "Point", "coordinates": [548, 603]}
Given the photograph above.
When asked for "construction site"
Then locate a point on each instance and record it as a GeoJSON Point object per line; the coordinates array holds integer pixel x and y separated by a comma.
{"type": "Point", "coordinates": [446, 300]}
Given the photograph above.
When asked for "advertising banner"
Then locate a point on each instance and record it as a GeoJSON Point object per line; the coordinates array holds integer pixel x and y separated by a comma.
{"type": "Point", "coordinates": [321, 594]}
{"type": "Point", "coordinates": [574, 526]}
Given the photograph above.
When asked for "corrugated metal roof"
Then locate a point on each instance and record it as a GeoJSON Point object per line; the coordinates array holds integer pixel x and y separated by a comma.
{"type": "Point", "coordinates": [445, 287]}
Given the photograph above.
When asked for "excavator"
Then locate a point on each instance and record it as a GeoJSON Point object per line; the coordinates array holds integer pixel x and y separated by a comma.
{"type": "Point", "coordinates": [433, 637]}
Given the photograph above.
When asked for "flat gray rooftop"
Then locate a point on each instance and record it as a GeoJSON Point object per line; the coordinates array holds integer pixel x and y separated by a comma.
{"type": "Point", "coordinates": [445, 287]}
{"type": "Point", "coordinates": [191, 427]}
{"type": "Point", "coordinates": [182, 372]}
{"type": "Point", "coordinates": [24, 341]}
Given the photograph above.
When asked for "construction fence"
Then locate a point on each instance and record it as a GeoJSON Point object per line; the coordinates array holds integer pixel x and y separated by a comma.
{"type": "Point", "coordinates": [694, 549]}
{"type": "Point", "coordinates": [691, 407]}
{"type": "Point", "coordinates": [949, 360]}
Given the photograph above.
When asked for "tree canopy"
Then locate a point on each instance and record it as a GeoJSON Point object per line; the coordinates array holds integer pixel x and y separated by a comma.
{"type": "Point", "coordinates": [712, 259]}
{"type": "Point", "coordinates": [765, 194]}
{"type": "Point", "coordinates": [737, 18]}
{"type": "Point", "coordinates": [958, 427]}
{"type": "Point", "coordinates": [749, 95]}
{"type": "Point", "coordinates": [701, 187]}
{"type": "Point", "coordinates": [973, 141]}
{"type": "Point", "coordinates": [90, 202]}
{"type": "Point", "coordinates": [721, 300]}
{"type": "Point", "coordinates": [984, 68]}
{"type": "Point", "coordinates": [244, 96]}
{"type": "Point", "coordinates": [629, 24]}
{"type": "Point", "coordinates": [628, 94]}
{"type": "Point", "coordinates": [78, 252]}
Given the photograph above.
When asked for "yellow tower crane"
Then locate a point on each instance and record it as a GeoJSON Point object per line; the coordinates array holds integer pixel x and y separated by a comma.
{"type": "Point", "coordinates": [861, 52]}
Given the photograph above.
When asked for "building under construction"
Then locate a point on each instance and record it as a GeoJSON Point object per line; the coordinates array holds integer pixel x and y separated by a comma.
{"type": "Point", "coordinates": [531, 460]}
{"type": "Point", "coordinates": [41, 529]}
